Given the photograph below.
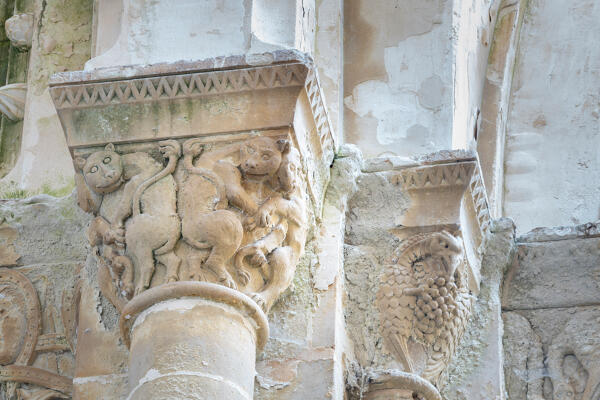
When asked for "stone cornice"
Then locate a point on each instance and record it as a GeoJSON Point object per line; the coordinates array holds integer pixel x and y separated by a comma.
{"type": "Point", "coordinates": [177, 86]}
{"type": "Point", "coordinates": [207, 65]}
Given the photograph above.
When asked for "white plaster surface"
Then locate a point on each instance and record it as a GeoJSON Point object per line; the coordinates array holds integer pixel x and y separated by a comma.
{"type": "Point", "coordinates": [473, 20]}
{"type": "Point", "coordinates": [552, 159]}
{"type": "Point", "coordinates": [44, 159]}
{"type": "Point", "coordinates": [411, 105]}
{"type": "Point", "coordinates": [153, 31]}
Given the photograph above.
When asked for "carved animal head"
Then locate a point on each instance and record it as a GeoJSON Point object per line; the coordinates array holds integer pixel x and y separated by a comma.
{"type": "Point", "coordinates": [103, 170]}
{"type": "Point", "coordinates": [12, 326]}
{"type": "Point", "coordinates": [261, 156]}
{"type": "Point", "coordinates": [447, 250]}
{"type": "Point", "coordinates": [289, 171]}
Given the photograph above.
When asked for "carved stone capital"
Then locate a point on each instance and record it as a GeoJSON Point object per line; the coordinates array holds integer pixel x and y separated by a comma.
{"type": "Point", "coordinates": [198, 171]}
{"type": "Point", "coordinates": [202, 178]}
{"type": "Point", "coordinates": [424, 303]}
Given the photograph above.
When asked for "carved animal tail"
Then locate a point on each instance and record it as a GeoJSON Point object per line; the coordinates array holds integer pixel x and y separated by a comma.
{"type": "Point", "coordinates": [240, 256]}
{"type": "Point", "coordinates": [172, 150]}
{"type": "Point", "coordinates": [167, 247]}
{"type": "Point", "coordinates": [190, 150]}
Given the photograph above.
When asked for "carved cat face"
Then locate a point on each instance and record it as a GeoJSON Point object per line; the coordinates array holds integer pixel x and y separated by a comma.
{"type": "Point", "coordinates": [261, 157]}
{"type": "Point", "coordinates": [103, 170]}
{"type": "Point", "coordinates": [12, 328]}
{"type": "Point", "coordinates": [289, 173]}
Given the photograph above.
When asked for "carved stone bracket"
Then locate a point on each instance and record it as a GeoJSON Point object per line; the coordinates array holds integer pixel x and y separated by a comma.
{"type": "Point", "coordinates": [426, 293]}
{"type": "Point", "coordinates": [424, 303]}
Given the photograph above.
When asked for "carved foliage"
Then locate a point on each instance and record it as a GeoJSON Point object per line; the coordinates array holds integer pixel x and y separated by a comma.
{"type": "Point", "coordinates": [424, 303]}
{"type": "Point", "coordinates": [233, 215]}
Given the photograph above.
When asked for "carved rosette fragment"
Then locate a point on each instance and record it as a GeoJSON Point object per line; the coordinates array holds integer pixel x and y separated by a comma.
{"type": "Point", "coordinates": [21, 340]}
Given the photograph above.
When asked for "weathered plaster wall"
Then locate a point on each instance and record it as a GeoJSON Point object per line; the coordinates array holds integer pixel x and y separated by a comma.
{"type": "Point", "coordinates": [149, 32]}
{"type": "Point", "coordinates": [328, 56]}
{"type": "Point", "coordinates": [398, 76]}
{"type": "Point", "coordinates": [552, 316]}
{"type": "Point", "coordinates": [552, 158]}
{"type": "Point", "coordinates": [474, 25]}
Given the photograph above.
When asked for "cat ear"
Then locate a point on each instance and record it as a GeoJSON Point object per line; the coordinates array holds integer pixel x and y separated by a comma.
{"type": "Point", "coordinates": [79, 163]}
{"type": "Point", "coordinates": [283, 145]}
{"type": "Point", "coordinates": [110, 147]}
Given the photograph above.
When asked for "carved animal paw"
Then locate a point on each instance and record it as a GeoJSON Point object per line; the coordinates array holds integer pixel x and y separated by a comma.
{"type": "Point", "coordinates": [192, 147]}
{"type": "Point", "coordinates": [243, 276]}
{"type": "Point", "coordinates": [170, 148]}
{"type": "Point", "coordinates": [172, 278]}
{"type": "Point", "coordinates": [138, 290]}
{"type": "Point", "coordinates": [227, 280]}
{"type": "Point", "coordinates": [260, 300]}
{"type": "Point", "coordinates": [116, 234]}
{"type": "Point", "coordinates": [264, 216]}
{"type": "Point", "coordinates": [127, 291]}
{"type": "Point", "coordinates": [258, 259]}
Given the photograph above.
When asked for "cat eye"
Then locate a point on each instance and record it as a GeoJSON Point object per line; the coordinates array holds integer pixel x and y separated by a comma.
{"type": "Point", "coordinates": [106, 160]}
{"type": "Point", "coordinates": [94, 169]}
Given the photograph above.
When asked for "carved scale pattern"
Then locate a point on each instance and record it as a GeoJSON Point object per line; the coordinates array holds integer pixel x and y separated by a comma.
{"type": "Point", "coordinates": [437, 321]}
{"type": "Point", "coordinates": [177, 86]}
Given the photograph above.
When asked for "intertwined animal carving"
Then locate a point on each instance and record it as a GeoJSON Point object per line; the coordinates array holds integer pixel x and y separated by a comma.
{"type": "Point", "coordinates": [213, 183]}
{"type": "Point", "coordinates": [278, 252]}
{"type": "Point", "coordinates": [424, 303]}
{"type": "Point", "coordinates": [236, 211]}
{"type": "Point", "coordinates": [134, 198]}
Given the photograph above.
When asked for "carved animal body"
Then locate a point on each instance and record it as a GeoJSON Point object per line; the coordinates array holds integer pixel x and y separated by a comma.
{"type": "Point", "coordinates": [210, 185]}
{"type": "Point", "coordinates": [135, 200]}
{"type": "Point", "coordinates": [278, 252]}
{"type": "Point", "coordinates": [424, 304]}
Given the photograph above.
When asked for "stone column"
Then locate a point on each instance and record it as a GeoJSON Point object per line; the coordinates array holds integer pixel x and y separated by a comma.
{"type": "Point", "coordinates": [196, 339]}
